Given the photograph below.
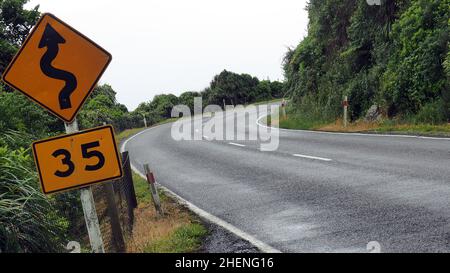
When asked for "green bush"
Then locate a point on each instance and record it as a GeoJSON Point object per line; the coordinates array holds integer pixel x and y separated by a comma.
{"type": "Point", "coordinates": [432, 113]}
{"type": "Point", "coordinates": [306, 114]}
{"type": "Point", "coordinates": [415, 74]}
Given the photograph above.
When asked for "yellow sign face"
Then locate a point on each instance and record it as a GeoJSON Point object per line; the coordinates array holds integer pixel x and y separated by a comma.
{"type": "Point", "coordinates": [57, 67]}
{"type": "Point", "coordinates": [77, 160]}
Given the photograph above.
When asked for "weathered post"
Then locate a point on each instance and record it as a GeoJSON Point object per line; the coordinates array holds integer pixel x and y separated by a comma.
{"type": "Point", "coordinates": [87, 201]}
{"type": "Point", "coordinates": [145, 120]}
{"type": "Point", "coordinates": [345, 104]}
{"type": "Point", "coordinates": [113, 214]}
{"type": "Point", "coordinates": [128, 177]}
{"type": "Point", "coordinates": [154, 190]}
{"type": "Point", "coordinates": [269, 116]}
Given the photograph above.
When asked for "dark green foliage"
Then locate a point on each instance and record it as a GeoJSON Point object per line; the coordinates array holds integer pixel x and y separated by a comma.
{"type": "Point", "coordinates": [15, 23]}
{"type": "Point", "coordinates": [263, 91]}
{"type": "Point", "coordinates": [102, 107]}
{"type": "Point", "coordinates": [187, 98]}
{"type": "Point", "coordinates": [162, 105]}
{"type": "Point", "coordinates": [277, 89]}
{"type": "Point", "coordinates": [29, 221]}
{"type": "Point", "coordinates": [17, 112]}
{"type": "Point", "coordinates": [159, 108]}
{"type": "Point", "coordinates": [20, 114]}
{"type": "Point", "coordinates": [240, 89]}
{"type": "Point", "coordinates": [227, 87]}
{"type": "Point", "coordinates": [233, 88]}
{"type": "Point", "coordinates": [415, 74]}
{"type": "Point", "coordinates": [391, 55]}
{"type": "Point", "coordinates": [446, 91]}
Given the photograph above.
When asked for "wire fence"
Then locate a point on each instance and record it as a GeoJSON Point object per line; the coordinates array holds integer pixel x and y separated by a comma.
{"type": "Point", "coordinates": [115, 203]}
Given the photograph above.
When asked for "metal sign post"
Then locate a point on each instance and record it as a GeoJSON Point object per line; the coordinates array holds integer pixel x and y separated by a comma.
{"type": "Point", "coordinates": [87, 201]}
{"type": "Point", "coordinates": [53, 39]}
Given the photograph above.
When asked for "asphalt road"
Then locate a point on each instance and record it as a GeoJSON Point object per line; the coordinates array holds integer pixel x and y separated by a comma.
{"type": "Point", "coordinates": [318, 192]}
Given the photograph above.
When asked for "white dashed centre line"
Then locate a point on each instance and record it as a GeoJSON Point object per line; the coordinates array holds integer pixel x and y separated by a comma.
{"type": "Point", "coordinates": [312, 157]}
{"type": "Point", "coordinates": [235, 144]}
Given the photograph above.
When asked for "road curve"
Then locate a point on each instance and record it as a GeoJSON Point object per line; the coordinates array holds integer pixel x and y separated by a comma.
{"type": "Point", "coordinates": [317, 192]}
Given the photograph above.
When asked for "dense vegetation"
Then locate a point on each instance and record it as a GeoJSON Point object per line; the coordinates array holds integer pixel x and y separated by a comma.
{"type": "Point", "coordinates": [31, 222]}
{"type": "Point", "coordinates": [395, 56]}
{"type": "Point", "coordinates": [28, 220]}
{"type": "Point", "coordinates": [227, 87]}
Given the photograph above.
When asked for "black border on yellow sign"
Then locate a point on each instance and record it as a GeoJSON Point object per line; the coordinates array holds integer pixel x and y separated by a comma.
{"type": "Point", "coordinates": [78, 33]}
{"type": "Point", "coordinates": [36, 160]}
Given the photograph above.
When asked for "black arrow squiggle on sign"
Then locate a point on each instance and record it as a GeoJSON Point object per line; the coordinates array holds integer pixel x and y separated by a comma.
{"type": "Point", "coordinates": [51, 40]}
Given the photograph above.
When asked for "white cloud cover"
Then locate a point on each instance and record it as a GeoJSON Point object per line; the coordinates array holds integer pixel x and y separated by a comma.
{"type": "Point", "coordinates": [172, 46]}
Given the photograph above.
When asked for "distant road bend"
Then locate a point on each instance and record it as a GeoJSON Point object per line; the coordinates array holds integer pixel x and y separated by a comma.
{"type": "Point", "coordinates": [319, 192]}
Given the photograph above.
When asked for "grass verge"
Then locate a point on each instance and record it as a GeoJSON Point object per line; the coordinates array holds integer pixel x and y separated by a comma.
{"type": "Point", "coordinates": [388, 127]}
{"type": "Point", "coordinates": [267, 102]}
{"type": "Point", "coordinates": [361, 126]}
{"type": "Point", "coordinates": [299, 123]}
{"type": "Point", "coordinates": [129, 132]}
{"type": "Point", "coordinates": [419, 129]}
{"type": "Point", "coordinates": [179, 231]}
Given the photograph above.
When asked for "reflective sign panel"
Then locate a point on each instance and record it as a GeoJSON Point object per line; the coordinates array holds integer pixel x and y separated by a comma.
{"type": "Point", "coordinates": [77, 160]}
{"type": "Point", "coordinates": [57, 67]}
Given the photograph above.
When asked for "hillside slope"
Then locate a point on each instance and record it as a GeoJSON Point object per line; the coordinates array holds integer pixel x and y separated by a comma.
{"type": "Point", "coordinates": [395, 56]}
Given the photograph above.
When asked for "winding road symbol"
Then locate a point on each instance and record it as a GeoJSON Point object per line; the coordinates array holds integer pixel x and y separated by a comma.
{"type": "Point", "coordinates": [51, 40]}
{"type": "Point", "coordinates": [57, 67]}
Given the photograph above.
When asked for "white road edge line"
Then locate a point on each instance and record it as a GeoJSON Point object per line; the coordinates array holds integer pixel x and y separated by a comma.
{"type": "Point", "coordinates": [202, 213]}
{"type": "Point", "coordinates": [258, 122]}
{"type": "Point", "coordinates": [313, 157]}
{"type": "Point", "coordinates": [235, 144]}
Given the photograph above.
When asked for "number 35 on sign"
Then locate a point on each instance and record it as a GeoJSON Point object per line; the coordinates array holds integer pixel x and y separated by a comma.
{"type": "Point", "coordinates": [77, 160]}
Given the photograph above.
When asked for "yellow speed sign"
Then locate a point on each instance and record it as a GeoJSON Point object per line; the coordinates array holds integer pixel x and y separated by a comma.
{"type": "Point", "coordinates": [77, 160]}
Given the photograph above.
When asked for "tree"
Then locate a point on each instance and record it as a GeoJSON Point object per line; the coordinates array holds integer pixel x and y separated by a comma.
{"type": "Point", "coordinates": [15, 24]}
{"type": "Point", "coordinates": [233, 88]}
{"type": "Point", "coordinates": [277, 89]}
{"type": "Point", "coordinates": [161, 105]}
{"type": "Point", "coordinates": [158, 109]}
{"type": "Point", "coordinates": [187, 98]}
{"type": "Point", "coordinates": [102, 107]}
{"type": "Point", "coordinates": [263, 91]}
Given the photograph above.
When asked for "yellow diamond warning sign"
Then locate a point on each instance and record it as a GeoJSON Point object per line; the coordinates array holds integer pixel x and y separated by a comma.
{"type": "Point", "coordinates": [57, 67]}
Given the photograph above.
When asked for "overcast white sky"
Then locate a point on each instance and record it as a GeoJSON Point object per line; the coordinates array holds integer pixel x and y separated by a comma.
{"type": "Point", "coordinates": [172, 46]}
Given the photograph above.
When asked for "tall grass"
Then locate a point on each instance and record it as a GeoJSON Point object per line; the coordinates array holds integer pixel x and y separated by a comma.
{"type": "Point", "coordinates": [28, 222]}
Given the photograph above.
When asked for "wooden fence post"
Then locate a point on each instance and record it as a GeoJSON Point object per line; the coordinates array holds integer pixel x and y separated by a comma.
{"type": "Point", "coordinates": [128, 177]}
{"type": "Point", "coordinates": [113, 214]}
